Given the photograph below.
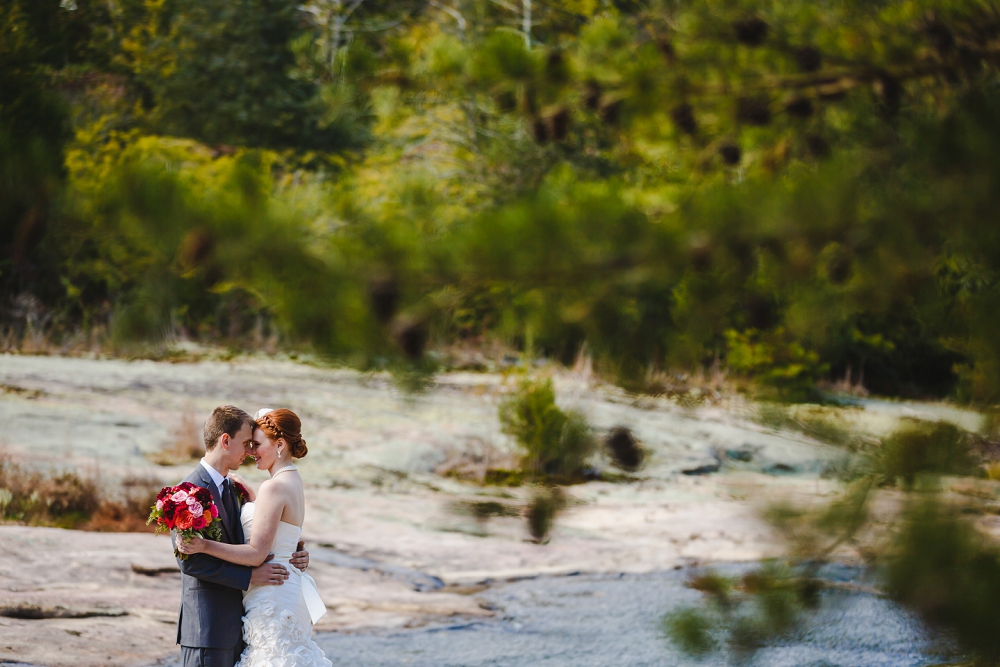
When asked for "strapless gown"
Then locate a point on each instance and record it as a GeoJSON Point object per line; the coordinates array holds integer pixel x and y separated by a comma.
{"type": "Point", "coordinates": [277, 621]}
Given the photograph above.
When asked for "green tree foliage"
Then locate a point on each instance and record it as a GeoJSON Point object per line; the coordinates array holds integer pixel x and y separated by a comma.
{"type": "Point", "coordinates": [746, 613]}
{"type": "Point", "coordinates": [798, 191]}
{"type": "Point", "coordinates": [33, 129]}
{"type": "Point", "coordinates": [926, 553]}
{"type": "Point", "coordinates": [219, 71]}
{"type": "Point", "coordinates": [949, 572]}
{"type": "Point", "coordinates": [713, 123]}
{"type": "Point", "coordinates": [927, 449]}
{"type": "Point", "coordinates": [185, 239]}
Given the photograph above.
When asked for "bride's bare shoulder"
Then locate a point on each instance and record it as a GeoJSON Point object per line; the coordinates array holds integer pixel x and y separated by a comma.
{"type": "Point", "coordinates": [280, 485]}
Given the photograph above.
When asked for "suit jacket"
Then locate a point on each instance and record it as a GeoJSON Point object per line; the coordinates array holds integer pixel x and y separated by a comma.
{"type": "Point", "coordinates": [211, 589]}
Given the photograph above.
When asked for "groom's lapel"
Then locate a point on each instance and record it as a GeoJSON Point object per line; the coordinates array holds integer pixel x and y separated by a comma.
{"type": "Point", "coordinates": [238, 536]}
{"type": "Point", "coordinates": [207, 482]}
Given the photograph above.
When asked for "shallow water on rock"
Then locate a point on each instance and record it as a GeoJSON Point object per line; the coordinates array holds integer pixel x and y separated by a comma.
{"type": "Point", "coordinates": [592, 620]}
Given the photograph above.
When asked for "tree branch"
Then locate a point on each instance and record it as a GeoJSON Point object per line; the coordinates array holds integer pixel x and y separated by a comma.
{"type": "Point", "coordinates": [450, 11]}
{"type": "Point", "coordinates": [506, 5]}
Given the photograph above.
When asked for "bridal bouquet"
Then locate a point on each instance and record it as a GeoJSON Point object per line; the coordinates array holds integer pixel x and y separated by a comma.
{"type": "Point", "coordinates": [187, 509]}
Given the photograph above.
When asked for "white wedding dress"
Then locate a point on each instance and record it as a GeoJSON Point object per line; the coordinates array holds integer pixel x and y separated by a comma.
{"type": "Point", "coordinates": [277, 625]}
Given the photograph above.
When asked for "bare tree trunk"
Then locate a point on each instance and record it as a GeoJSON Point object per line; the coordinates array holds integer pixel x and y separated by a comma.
{"type": "Point", "coordinates": [337, 17]}
{"type": "Point", "coordinates": [526, 23]}
{"type": "Point", "coordinates": [333, 28]}
{"type": "Point", "coordinates": [338, 30]}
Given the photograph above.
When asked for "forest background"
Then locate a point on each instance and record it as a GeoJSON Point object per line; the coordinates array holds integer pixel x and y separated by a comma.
{"type": "Point", "coordinates": [795, 192]}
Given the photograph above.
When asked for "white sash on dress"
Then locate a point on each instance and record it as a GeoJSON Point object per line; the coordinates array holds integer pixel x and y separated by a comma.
{"type": "Point", "coordinates": [311, 593]}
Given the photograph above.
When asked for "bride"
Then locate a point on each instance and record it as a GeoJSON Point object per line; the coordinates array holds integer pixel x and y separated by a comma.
{"type": "Point", "coordinates": [277, 622]}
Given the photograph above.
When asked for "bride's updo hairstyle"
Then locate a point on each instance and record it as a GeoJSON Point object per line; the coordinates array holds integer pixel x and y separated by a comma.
{"type": "Point", "coordinates": [283, 423]}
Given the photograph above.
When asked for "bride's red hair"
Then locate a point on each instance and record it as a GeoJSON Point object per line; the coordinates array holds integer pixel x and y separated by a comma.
{"type": "Point", "coordinates": [283, 423]}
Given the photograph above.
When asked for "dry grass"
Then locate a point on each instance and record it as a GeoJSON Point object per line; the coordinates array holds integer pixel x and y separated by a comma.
{"type": "Point", "coordinates": [847, 385]}
{"type": "Point", "coordinates": [126, 513]}
{"type": "Point", "coordinates": [68, 500]}
{"type": "Point", "coordinates": [61, 499]}
{"type": "Point", "coordinates": [475, 462]}
{"type": "Point", "coordinates": [706, 386]}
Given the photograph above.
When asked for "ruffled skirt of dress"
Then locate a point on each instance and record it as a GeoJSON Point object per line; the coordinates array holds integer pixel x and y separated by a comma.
{"type": "Point", "coordinates": [277, 627]}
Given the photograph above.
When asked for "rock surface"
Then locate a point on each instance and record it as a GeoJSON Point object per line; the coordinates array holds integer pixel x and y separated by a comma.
{"type": "Point", "coordinates": [380, 519]}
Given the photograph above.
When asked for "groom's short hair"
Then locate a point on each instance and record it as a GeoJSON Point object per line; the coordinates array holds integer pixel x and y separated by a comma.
{"type": "Point", "coordinates": [225, 419]}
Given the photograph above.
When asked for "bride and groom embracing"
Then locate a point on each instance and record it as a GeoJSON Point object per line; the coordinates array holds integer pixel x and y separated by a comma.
{"type": "Point", "coordinates": [245, 599]}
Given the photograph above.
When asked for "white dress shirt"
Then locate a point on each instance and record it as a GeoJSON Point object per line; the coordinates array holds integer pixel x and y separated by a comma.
{"type": "Point", "coordinates": [216, 477]}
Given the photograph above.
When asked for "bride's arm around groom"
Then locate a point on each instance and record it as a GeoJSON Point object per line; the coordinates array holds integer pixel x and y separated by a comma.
{"type": "Point", "coordinates": [273, 500]}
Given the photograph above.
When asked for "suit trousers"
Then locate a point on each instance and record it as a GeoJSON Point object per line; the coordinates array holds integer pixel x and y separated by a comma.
{"type": "Point", "coordinates": [210, 657]}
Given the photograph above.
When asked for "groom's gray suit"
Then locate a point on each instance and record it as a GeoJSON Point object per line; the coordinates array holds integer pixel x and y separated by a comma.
{"type": "Point", "coordinates": [210, 627]}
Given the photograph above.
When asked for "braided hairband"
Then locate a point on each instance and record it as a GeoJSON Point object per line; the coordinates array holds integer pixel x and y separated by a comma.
{"type": "Point", "coordinates": [266, 419]}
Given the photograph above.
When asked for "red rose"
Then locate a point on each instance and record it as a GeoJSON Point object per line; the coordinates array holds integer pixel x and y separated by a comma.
{"type": "Point", "coordinates": [199, 523]}
{"type": "Point", "coordinates": [241, 492]}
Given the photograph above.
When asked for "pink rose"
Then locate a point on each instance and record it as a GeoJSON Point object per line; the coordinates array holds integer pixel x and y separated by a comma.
{"type": "Point", "coordinates": [199, 523]}
{"type": "Point", "coordinates": [215, 512]}
{"type": "Point", "coordinates": [179, 497]}
{"type": "Point", "coordinates": [159, 505]}
{"type": "Point", "coordinates": [196, 509]}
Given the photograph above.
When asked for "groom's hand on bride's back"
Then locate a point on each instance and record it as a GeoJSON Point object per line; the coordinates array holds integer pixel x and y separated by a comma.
{"type": "Point", "coordinates": [269, 574]}
{"type": "Point", "coordinates": [300, 559]}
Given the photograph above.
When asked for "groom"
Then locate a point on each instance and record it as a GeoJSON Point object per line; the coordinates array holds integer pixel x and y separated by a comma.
{"type": "Point", "coordinates": [210, 627]}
